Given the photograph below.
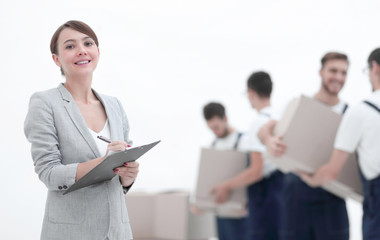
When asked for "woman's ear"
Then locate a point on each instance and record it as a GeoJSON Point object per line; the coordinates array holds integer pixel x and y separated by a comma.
{"type": "Point", "coordinates": [56, 60]}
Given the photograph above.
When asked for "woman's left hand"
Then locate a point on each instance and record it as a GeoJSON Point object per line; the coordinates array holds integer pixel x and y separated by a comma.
{"type": "Point", "coordinates": [127, 173]}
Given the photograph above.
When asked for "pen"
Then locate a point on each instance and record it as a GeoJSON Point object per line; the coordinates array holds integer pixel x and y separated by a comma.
{"type": "Point", "coordinates": [105, 139]}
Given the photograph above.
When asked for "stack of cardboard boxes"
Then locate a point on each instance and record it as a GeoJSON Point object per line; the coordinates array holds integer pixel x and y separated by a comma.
{"type": "Point", "coordinates": [167, 216]}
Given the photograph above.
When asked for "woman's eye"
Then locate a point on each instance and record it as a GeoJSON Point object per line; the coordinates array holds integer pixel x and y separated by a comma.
{"type": "Point", "coordinates": [89, 44]}
{"type": "Point", "coordinates": [69, 47]}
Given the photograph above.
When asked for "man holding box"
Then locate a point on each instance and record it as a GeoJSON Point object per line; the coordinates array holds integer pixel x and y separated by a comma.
{"type": "Point", "coordinates": [227, 138]}
{"type": "Point", "coordinates": [313, 213]}
{"type": "Point", "coordinates": [262, 179]}
{"type": "Point", "coordinates": [359, 131]}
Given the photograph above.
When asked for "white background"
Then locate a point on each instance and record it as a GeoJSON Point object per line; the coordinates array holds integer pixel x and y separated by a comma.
{"type": "Point", "coordinates": [164, 60]}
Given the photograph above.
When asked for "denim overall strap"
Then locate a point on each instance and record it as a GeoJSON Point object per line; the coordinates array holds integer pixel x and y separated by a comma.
{"type": "Point", "coordinates": [237, 140]}
{"type": "Point", "coordinates": [372, 105]}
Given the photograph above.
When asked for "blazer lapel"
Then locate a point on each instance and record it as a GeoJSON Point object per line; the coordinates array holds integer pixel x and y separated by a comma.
{"type": "Point", "coordinates": [111, 116]}
{"type": "Point", "coordinates": [76, 116]}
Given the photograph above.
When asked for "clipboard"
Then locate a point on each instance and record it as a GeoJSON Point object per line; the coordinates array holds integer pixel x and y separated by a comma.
{"type": "Point", "coordinates": [104, 170]}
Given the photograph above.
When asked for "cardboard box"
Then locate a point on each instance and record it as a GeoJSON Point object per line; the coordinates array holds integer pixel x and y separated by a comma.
{"type": "Point", "coordinates": [167, 216]}
{"type": "Point", "coordinates": [141, 207]}
{"type": "Point", "coordinates": [216, 166]}
{"type": "Point", "coordinates": [308, 128]}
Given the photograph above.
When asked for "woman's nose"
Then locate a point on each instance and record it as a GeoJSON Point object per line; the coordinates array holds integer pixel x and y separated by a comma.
{"type": "Point", "coordinates": [81, 50]}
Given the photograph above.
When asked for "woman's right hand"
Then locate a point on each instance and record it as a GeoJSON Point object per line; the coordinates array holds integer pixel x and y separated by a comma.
{"type": "Point", "coordinates": [116, 146]}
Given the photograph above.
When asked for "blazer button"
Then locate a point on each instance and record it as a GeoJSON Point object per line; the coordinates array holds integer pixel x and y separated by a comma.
{"type": "Point", "coordinates": [60, 187]}
{"type": "Point", "coordinates": [64, 187]}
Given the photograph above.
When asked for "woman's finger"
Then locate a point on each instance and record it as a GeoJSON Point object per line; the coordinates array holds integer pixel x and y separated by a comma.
{"type": "Point", "coordinates": [132, 164]}
{"type": "Point", "coordinates": [113, 143]}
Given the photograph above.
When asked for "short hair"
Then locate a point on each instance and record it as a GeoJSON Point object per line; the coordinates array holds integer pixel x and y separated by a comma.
{"type": "Point", "coordinates": [213, 109]}
{"type": "Point", "coordinates": [374, 56]}
{"type": "Point", "coordinates": [333, 56]}
{"type": "Point", "coordinates": [261, 83]}
{"type": "Point", "coordinates": [75, 25]}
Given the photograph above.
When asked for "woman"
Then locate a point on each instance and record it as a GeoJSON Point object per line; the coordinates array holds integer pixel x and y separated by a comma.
{"type": "Point", "coordinates": [62, 125]}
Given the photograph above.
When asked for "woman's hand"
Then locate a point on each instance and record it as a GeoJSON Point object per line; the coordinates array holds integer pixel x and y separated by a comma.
{"type": "Point", "coordinates": [85, 167]}
{"type": "Point", "coordinates": [116, 146]}
{"type": "Point", "coordinates": [127, 173]}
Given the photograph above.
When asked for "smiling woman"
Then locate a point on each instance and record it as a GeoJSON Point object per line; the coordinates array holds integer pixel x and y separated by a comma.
{"type": "Point", "coordinates": [62, 125]}
{"type": "Point", "coordinates": [79, 27]}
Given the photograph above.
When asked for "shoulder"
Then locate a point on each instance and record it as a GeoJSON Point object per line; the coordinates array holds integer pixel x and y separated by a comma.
{"type": "Point", "coordinates": [358, 111]}
{"type": "Point", "coordinates": [262, 117]}
{"type": "Point", "coordinates": [46, 94]}
{"type": "Point", "coordinates": [46, 97]}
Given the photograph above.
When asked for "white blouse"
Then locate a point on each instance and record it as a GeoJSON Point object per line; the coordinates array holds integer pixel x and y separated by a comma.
{"type": "Point", "coordinates": [105, 132]}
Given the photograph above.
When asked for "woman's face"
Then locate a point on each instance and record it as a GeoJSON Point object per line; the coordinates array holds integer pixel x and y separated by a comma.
{"type": "Point", "coordinates": [77, 55]}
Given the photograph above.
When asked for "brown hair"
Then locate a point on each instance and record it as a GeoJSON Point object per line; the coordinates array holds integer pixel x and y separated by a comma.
{"type": "Point", "coordinates": [213, 109]}
{"type": "Point", "coordinates": [75, 25]}
{"type": "Point", "coordinates": [374, 56]}
{"type": "Point", "coordinates": [333, 56]}
{"type": "Point", "coordinates": [261, 83]}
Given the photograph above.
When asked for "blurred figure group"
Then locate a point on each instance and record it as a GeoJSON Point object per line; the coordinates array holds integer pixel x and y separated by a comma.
{"type": "Point", "coordinates": [293, 206]}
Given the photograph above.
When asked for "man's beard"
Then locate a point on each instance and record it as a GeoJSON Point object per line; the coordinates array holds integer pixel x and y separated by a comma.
{"type": "Point", "coordinates": [225, 133]}
{"type": "Point", "coordinates": [328, 90]}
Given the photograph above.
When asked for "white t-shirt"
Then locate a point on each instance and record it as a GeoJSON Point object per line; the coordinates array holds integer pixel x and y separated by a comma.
{"type": "Point", "coordinates": [360, 130]}
{"type": "Point", "coordinates": [105, 132]}
{"type": "Point", "coordinates": [338, 108]}
{"type": "Point", "coordinates": [228, 142]}
{"type": "Point", "coordinates": [253, 143]}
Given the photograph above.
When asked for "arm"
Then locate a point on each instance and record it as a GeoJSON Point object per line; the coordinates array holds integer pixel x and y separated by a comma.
{"type": "Point", "coordinates": [250, 175]}
{"type": "Point", "coordinates": [327, 172]}
{"type": "Point", "coordinates": [267, 131]}
{"type": "Point", "coordinates": [40, 130]}
{"type": "Point", "coordinates": [275, 145]}
{"type": "Point", "coordinates": [85, 167]}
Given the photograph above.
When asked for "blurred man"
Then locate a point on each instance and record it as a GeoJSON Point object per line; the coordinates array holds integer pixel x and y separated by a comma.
{"type": "Point", "coordinates": [313, 213]}
{"type": "Point", "coordinates": [262, 178]}
{"type": "Point", "coordinates": [227, 138]}
{"type": "Point", "coordinates": [360, 131]}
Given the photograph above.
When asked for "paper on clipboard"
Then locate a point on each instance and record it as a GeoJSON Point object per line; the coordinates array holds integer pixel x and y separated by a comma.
{"type": "Point", "coordinates": [104, 171]}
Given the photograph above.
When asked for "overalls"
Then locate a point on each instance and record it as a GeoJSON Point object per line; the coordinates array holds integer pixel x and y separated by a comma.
{"type": "Point", "coordinates": [311, 213]}
{"type": "Point", "coordinates": [371, 204]}
{"type": "Point", "coordinates": [232, 228]}
{"type": "Point", "coordinates": [264, 198]}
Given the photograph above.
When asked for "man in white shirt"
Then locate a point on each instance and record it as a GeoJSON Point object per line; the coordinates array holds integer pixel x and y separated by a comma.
{"type": "Point", "coordinates": [229, 228]}
{"type": "Point", "coordinates": [360, 131]}
{"type": "Point", "coordinates": [262, 179]}
{"type": "Point", "coordinates": [313, 213]}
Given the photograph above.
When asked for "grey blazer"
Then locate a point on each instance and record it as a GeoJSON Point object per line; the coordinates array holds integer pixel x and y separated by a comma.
{"type": "Point", "coordinates": [60, 140]}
